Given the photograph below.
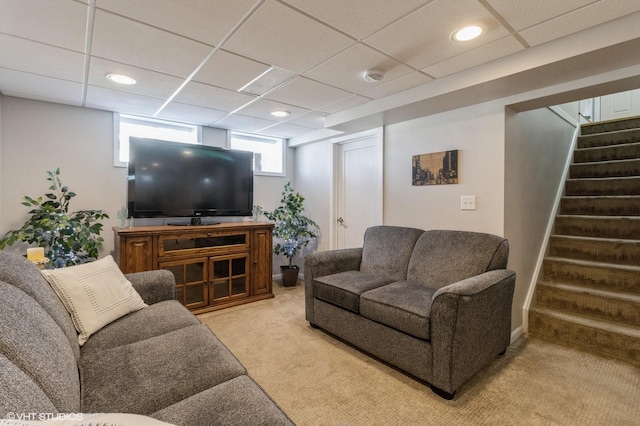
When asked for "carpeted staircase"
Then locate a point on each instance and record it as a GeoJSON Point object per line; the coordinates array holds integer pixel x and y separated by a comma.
{"type": "Point", "coordinates": [588, 296]}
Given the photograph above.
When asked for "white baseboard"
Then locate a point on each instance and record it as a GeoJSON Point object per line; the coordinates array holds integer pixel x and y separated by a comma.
{"type": "Point", "coordinates": [515, 334]}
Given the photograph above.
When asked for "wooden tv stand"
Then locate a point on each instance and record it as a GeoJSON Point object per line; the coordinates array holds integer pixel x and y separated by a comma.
{"type": "Point", "coordinates": [215, 266]}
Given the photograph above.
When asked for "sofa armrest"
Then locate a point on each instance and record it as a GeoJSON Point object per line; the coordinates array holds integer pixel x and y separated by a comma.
{"type": "Point", "coordinates": [154, 286]}
{"type": "Point", "coordinates": [326, 263]}
{"type": "Point", "coordinates": [475, 284]}
{"type": "Point", "coordinates": [470, 325]}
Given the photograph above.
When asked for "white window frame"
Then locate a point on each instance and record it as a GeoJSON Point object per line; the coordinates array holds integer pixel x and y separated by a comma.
{"type": "Point", "coordinates": [117, 161]}
{"type": "Point", "coordinates": [263, 138]}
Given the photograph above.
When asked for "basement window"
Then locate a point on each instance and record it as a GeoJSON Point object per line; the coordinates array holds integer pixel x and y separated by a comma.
{"type": "Point", "coordinates": [126, 126]}
{"type": "Point", "coordinates": [268, 152]}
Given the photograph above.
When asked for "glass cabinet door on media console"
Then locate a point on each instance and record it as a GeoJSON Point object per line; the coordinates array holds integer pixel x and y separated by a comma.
{"type": "Point", "coordinates": [191, 281]}
{"type": "Point", "coordinates": [229, 278]}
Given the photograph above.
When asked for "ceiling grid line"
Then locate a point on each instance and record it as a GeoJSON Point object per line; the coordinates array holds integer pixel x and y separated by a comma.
{"type": "Point", "coordinates": [191, 59]}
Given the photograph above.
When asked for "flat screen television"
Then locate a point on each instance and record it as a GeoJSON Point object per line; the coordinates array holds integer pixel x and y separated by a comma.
{"type": "Point", "coordinates": [172, 179]}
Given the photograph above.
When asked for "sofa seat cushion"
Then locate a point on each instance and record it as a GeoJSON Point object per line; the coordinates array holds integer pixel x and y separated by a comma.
{"type": "Point", "coordinates": [239, 401]}
{"type": "Point", "coordinates": [154, 320]}
{"type": "Point", "coordinates": [344, 289]}
{"type": "Point", "coordinates": [149, 375]}
{"type": "Point", "coordinates": [401, 305]}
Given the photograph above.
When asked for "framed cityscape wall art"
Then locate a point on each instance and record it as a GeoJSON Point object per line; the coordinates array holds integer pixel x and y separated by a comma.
{"type": "Point", "coordinates": [436, 168]}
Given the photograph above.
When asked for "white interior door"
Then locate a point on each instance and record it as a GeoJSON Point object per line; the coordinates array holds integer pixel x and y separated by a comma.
{"type": "Point", "coordinates": [358, 187]}
{"type": "Point", "coordinates": [620, 105]}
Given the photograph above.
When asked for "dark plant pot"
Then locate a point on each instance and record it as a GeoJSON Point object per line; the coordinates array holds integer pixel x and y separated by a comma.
{"type": "Point", "coordinates": [289, 275]}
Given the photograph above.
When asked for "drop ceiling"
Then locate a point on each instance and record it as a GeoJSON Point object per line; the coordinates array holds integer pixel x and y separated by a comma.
{"type": "Point", "coordinates": [229, 63]}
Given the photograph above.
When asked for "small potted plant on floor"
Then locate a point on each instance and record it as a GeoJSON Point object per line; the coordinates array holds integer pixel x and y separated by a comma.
{"type": "Point", "coordinates": [68, 238]}
{"type": "Point", "coordinates": [293, 231]}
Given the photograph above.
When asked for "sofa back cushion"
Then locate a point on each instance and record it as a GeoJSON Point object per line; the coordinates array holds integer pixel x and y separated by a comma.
{"type": "Point", "coordinates": [19, 393]}
{"type": "Point", "coordinates": [387, 250]}
{"type": "Point", "coordinates": [23, 274]}
{"type": "Point", "coordinates": [443, 257]}
{"type": "Point", "coordinates": [32, 341]}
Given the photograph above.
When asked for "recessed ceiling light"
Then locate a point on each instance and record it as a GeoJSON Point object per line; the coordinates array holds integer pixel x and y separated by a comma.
{"type": "Point", "coordinates": [468, 33]}
{"type": "Point", "coordinates": [121, 79]}
{"type": "Point", "coordinates": [280, 113]}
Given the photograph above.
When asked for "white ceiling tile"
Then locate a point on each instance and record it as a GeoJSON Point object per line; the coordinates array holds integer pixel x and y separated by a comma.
{"type": "Point", "coordinates": [307, 93]}
{"type": "Point", "coordinates": [148, 83]}
{"type": "Point", "coordinates": [212, 97]}
{"type": "Point", "coordinates": [262, 108]}
{"type": "Point", "coordinates": [423, 37]}
{"type": "Point", "coordinates": [278, 35]}
{"type": "Point", "coordinates": [163, 42]}
{"type": "Point", "coordinates": [484, 53]}
{"type": "Point", "coordinates": [208, 21]}
{"type": "Point", "coordinates": [312, 119]}
{"type": "Point", "coordinates": [350, 102]}
{"type": "Point", "coordinates": [184, 113]}
{"type": "Point", "coordinates": [32, 86]}
{"type": "Point", "coordinates": [153, 49]}
{"type": "Point", "coordinates": [357, 18]}
{"type": "Point", "coordinates": [399, 84]}
{"type": "Point", "coordinates": [523, 14]}
{"type": "Point", "coordinates": [126, 103]}
{"type": "Point", "coordinates": [229, 71]}
{"type": "Point", "coordinates": [37, 58]}
{"type": "Point", "coordinates": [346, 69]}
{"type": "Point", "coordinates": [244, 123]}
{"type": "Point", "coordinates": [61, 23]}
{"type": "Point", "coordinates": [285, 130]}
{"type": "Point", "coordinates": [592, 15]}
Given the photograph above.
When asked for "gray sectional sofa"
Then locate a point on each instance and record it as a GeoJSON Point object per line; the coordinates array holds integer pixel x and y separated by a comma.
{"type": "Point", "coordinates": [436, 304]}
{"type": "Point", "coordinates": [159, 361]}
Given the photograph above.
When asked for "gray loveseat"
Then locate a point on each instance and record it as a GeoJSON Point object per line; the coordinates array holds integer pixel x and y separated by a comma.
{"type": "Point", "coordinates": [436, 304]}
{"type": "Point", "coordinates": [159, 361]}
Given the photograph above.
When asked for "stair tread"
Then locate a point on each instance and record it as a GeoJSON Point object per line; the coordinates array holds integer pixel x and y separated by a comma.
{"type": "Point", "coordinates": [619, 328]}
{"type": "Point", "coordinates": [587, 127]}
{"type": "Point", "coordinates": [603, 147]}
{"type": "Point", "coordinates": [601, 217]}
{"type": "Point", "coordinates": [590, 163]}
{"type": "Point", "coordinates": [597, 239]}
{"type": "Point", "coordinates": [605, 122]}
{"type": "Point", "coordinates": [601, 179]}
{"type": "Point", "coordinates": [582, 262]}
{"type": "Point", "coordinates": [622, 296]}
{"type": "Point", "coordinates": [607, 197]}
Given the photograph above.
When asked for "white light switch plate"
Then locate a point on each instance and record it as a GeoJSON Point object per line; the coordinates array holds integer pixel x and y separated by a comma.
{"type": "Point", "coordinates": [468, 202]}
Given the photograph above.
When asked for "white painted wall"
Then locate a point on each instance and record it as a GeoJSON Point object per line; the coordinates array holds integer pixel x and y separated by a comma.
{"type": "Point", "coordinates": [39, 136]}
{"type": "Point", "coordinates": [537, 145]}
{"type": "Point", "coordinates": [477, 133]}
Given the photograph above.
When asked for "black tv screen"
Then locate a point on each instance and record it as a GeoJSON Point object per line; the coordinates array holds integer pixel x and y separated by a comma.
{"type": "Point", "coordinates": [172, 179]}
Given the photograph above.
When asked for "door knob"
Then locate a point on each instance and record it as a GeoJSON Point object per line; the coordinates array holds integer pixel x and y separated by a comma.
{"type": "Point", "coordinates": [340, 221]}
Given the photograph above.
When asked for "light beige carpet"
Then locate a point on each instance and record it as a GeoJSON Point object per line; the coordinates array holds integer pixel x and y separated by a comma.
{"type": "Point", "coordinates": [319, 380]}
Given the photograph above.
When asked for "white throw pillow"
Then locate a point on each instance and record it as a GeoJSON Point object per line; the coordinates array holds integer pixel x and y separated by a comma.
{"type": "Point", "coordinates": [95, 294]}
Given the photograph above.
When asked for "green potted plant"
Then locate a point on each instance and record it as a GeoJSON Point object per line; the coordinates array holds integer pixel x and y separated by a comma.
{"type": "Point", "coordinates": [69, 238]}
{"type": "Point", "coordinates": [293, 231]}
